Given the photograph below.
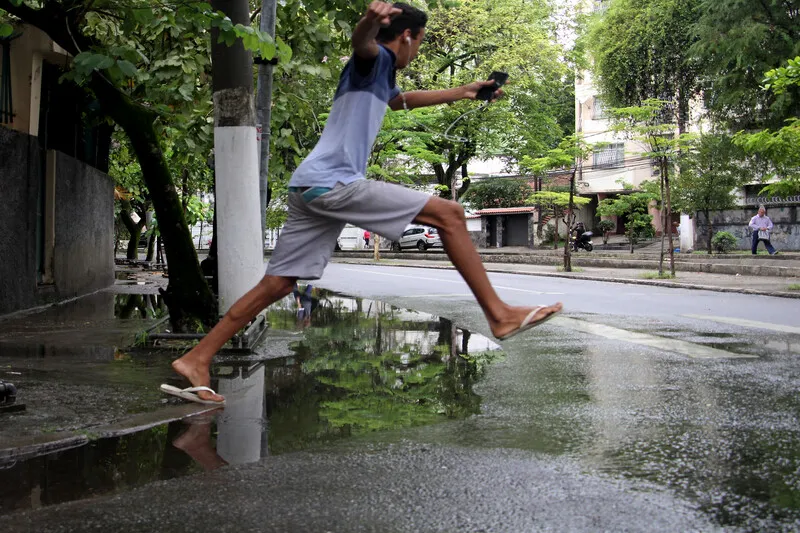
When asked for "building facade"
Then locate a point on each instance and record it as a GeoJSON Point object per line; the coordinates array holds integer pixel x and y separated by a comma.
{"type": "Point", "coordinates": [617, 163]}
{"type": "Point", "coordinates": [57, 221]}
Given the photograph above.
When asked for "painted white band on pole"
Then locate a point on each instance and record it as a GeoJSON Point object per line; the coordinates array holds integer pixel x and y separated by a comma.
{"type": "Point", "coordinates": [240, 255]}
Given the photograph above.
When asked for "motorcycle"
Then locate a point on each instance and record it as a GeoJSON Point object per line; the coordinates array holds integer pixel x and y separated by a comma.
{"type": "Point", "coordinates": [584, 241]}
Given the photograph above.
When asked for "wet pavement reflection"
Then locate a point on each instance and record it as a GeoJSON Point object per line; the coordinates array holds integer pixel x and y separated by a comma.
{"type": "Point", "coordinates": [352, 372]}
{"type": "Point", "coordinates": [356, 366]}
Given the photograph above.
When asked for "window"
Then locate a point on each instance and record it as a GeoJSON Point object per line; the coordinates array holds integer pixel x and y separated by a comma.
{"type": "Point", "coordinates": [598, 110]}
{"type": "Point", "coordinates": [612, 156]}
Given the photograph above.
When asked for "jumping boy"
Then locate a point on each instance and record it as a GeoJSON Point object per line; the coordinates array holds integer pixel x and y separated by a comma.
{"type": "Point", "coordinates": [329, 190]}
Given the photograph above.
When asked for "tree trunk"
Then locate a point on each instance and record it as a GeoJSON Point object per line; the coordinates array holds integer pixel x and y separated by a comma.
{"type": "Point", "coordinates": [134, 230]}
{"type": "Point", "coordinates": [184, 190]}
{"type": "Point", "coordinates": [151, 247]}
{"type": "Point", "coordinates": [555, 233]}
{"type": "Point", "coordinates": [465, 181]}
{"type": "Point", "coordinates": [455, 161]}
{"type": "Point", "coordinates": [630, 237]}
{"type": "Point", "coordinates": [188, 296]}
{"type": "Point", "coordinates": [132, 252]}
{"type": "Point", "coordinates": [710, 231]}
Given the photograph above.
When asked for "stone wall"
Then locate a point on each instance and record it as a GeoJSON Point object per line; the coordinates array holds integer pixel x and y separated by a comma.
{"type": "Point", "coordinates": [20, 176]}
{"type": "Point", "coordinates": [785, 235]}
{"type": "Point", "coordinates": [82, 217]}
{"type": "Point", "coordinates": [83, 258]}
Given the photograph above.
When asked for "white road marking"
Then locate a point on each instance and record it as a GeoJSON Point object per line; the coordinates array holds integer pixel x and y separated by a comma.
{"type": "Point", "coordinates": [695, 351]}
{"type": "Point", "coordinates": [453, 295]}
{"type": "Point", "coordinates": [461, 281]}
{"type": "Point", "coordinates": [747, 323]}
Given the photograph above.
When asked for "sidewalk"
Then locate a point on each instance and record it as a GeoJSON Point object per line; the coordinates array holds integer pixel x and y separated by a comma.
{"type": "Point", "coordinates": [760, 285]}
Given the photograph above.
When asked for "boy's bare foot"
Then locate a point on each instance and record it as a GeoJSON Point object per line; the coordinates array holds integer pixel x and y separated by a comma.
{"type": "Point", "coordinates": [515, 320]}
{"type": "Point", "coordinates": [197, 375]}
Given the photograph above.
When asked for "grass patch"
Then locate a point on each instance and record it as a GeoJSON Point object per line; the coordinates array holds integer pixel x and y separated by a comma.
{"type": "Point", "coordinates": [574, 269]}
{"type": "Point", "coordinates": [794, 287]}
{"type": "Point", "coordinates": [656, 275]}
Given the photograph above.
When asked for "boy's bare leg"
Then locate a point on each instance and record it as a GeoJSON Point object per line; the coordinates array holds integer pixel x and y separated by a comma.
{"type": "Point", "coordinates": [195, 364]}
{"type": "Point", "coordinates": [449, 218]}
{"type": "Point", "coordinates": [196, 442]}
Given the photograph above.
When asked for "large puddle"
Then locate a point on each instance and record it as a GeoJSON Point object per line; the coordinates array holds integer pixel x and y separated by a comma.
{"type": "Point", "coordinates": [720, 433]}
{"type": "Point", "coordinates": [353, 366]}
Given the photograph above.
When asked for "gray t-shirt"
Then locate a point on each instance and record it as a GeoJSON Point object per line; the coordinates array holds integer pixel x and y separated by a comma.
{"type": "Point", "coordinates": [359, 107]}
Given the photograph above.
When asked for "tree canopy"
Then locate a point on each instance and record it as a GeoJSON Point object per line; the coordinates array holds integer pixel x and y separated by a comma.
{"type": "Point", "coordinates": [735, 44]}
{"type": "Point", "coordinates": [469, 41]}
{"type": "Point", "coordinates": [712, 169]}
{"type": "Point", "coordinates": [640, 50]}
{"type": "Point", "coordinates": [498, 192]}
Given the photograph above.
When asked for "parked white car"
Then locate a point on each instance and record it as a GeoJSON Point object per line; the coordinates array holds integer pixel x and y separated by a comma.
{"type": "Point", "coordinates": [419, 237]}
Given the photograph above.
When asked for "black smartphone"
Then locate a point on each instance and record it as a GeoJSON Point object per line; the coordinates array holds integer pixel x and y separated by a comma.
{"type": "Point", "coordinates": [487, 92]}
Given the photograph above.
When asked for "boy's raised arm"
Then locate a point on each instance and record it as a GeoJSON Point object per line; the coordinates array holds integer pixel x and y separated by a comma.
{"type": "Point", "coordinates": [378, 14]}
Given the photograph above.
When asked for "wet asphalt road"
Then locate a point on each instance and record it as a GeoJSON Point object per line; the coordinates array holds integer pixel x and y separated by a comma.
{"type": "Point", "coordinates": [642, 409]}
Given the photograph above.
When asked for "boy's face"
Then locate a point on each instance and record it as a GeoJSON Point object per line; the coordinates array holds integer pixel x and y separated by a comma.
{"type": "Point", "coordinates": [403, 60]}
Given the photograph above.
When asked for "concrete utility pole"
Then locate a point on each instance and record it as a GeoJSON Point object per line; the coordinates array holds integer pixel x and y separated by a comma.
{"type": "Point", "coordinates": [264, 112]}
{"type": "Point", "coordinates": [240, 254]}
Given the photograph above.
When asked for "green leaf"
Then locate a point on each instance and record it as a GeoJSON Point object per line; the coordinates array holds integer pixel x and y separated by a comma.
{"type": "Point", "coordinates": [127, 68]}
{"type": "Point", "coordinates": [186, 91]}
{"type": "Point", "coordinates": [5, 30]}
{"type": "Point", "coordinates": [97, 61]}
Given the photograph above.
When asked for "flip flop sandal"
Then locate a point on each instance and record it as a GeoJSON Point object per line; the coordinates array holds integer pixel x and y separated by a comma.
{"type": "Point", "coordinates": [529, 323]}
{"type": "Point", "coordinates": [189, 394]}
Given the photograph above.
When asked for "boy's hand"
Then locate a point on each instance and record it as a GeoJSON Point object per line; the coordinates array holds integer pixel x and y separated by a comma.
{"type": "Point", "coordinates": [382, 12]}
{"type": "Point", "coordinates": [471, 90]}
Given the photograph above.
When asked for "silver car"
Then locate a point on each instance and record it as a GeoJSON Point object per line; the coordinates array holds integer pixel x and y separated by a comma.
{"type": "Point", "coordinates": [419, 237]}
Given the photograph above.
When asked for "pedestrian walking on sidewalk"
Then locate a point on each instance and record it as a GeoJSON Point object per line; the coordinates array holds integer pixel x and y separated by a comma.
{"type": "Point", "coordinates": [762, 230]}
{"type": "Point", "coordinates": [329, 190]}
{"type": "Point", "coordinates": [366, 238]}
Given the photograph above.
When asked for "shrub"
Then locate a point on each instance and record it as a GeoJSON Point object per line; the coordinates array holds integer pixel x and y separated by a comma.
{"type": "Point", "coordinates": [724, 242]}
{"type": "Point", "coordinates": [549, 235]}
{"type": "Point", "coordinates": [605, 226]}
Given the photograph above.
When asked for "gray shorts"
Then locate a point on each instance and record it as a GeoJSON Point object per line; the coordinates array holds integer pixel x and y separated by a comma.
{"type": "Point", "coordinates": [309, 236]}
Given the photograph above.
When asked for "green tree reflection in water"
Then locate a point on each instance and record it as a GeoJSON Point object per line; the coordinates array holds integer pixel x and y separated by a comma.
{"type": "Point", "coordinates": [368, 366]}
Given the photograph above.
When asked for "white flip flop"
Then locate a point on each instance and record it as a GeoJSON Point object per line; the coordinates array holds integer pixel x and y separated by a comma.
{"type": "Point", "coordinates": [189, 394]}
{"type": "Point", "coordinates": [529, 323]}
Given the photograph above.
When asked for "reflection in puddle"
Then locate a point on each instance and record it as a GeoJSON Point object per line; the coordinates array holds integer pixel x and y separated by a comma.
{"type": "Point", "coordinates": [139, 306]}
{"type": "Point", "coordinates": [357, 366]}
{"type": "Point", "coordinates": [103, 466]}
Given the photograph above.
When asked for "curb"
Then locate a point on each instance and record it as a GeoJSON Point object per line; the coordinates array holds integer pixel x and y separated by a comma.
{"type": "Point", "coordinates": [628, 281]}
{"type": "Point", "coordinates": [713, 266]}
{"type": "Point", "coordinates": [48, 443]}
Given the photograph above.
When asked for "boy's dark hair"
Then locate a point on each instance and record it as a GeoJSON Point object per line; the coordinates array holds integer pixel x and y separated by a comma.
{"type": "Point", "coordinates": [411, 18]}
